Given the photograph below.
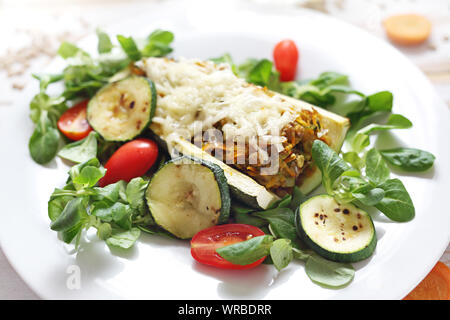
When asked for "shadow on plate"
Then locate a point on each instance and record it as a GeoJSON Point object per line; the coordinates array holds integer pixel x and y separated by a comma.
{"type": "Point", "coordinates": [239, 284]}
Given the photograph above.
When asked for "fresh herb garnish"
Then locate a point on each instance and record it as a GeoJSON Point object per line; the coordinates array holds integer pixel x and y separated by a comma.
{"type": "Point", "coordinates": [408, 159]}
{"type": "Point", "coordinates": [116, 211]}
{"type": "Point", "coordinates": [281, 244]}
{"type": "Point", "coordinates": [82, 150]}
{"type": "Point", "coordinates": [83, 76]}
{"type": "Point", "coordinates": [372, 189]}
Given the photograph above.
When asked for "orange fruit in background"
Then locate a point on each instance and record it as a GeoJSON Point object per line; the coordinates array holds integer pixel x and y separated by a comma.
{"type": "Point", "coordinates": [435, 286]}
{"type": "Point", "coordinates": [407, 29]}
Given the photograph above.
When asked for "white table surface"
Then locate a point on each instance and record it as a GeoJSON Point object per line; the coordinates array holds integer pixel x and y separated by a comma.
{"type": "Point", "coordinates": [53, 18]}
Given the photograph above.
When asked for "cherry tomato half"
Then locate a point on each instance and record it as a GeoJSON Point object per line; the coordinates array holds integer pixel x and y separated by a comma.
{"type": "Point", "coordinates": [205, 243]}
{"type": "Point", "coordinates": [73, 123]}
{"type": "Point", "coordinates": [131, 160]}
{"type": "Point", "coordinates": [285, 56]}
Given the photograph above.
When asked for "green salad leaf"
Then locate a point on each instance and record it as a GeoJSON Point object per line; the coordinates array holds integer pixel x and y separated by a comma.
{"type": "Point", "coordinates": [123, 239]}
{"type": "Point", "coordinates": [329, 163]}
{"type": "Point", "coordinates": [69, 50]}
{"type": "Point", "coordinates": [408, 159]}
{"type": "Point", "coordinates": [117, 210]}
{"type": "Point", "coordinates": [44, 142]}
{"type": "Point", "coordinates": [281, 221]}
{"type": "Point", "coordinates": [83, 76]}
{"type": "Point", "coordinates": [74, 214]}
{"type": "Point", "coordinates": [396, 203]}
{"type": "Point", "coordinates": [257, 71]}
{"type": "Point", "coordinates": [281, 253]}
{"type": "Point", "coordinates": [104, 42]}
{"type": "Point", "coordinates": [375, 189]}
{"type": "Point", "coordinates": [129, 46]}
{"type": "Point", "coordinates": [377, 170]}
{"type": "Point", "coordinates": [327, 273]}
{"type": "Point", "coordinates": [82, 150]}
{"type": "Point", "coordinates": [247, 252]}
{"type": "Point", "coordinates": [158, 44]}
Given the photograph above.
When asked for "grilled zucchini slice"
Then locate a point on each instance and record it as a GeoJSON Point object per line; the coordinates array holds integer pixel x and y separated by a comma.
{"type": "Point", "coordinates": [338, 232]}
{"type": "Point", "coordinates": [121, 110]}
{"type": "Point", "coordinates": [188, 195]}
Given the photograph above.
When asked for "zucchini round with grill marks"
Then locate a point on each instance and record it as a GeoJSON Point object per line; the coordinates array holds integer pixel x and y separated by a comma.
{"type": "Point", "coordinates": [188, 195]}
{"type": "Point", "coordinates": [338, 232]}
{"type": "Point", "coordinates": [121, 110]}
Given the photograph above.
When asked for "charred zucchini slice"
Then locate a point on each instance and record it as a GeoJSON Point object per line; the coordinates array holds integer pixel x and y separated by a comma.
{"type": "Point", "coordinates": [338, 232]}
{"type": "Point", "coordinates": [121, 110]}
{"type": "Point", "coordinates": [188, 195]}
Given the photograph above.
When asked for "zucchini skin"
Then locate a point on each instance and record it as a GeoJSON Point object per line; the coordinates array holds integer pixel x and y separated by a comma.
{"type": "Point", "coordinates": [359, 255]}
{"type": "Point", "coordinates": [243, 197]}
{"type": "Point", "coordinates": [153, 97]}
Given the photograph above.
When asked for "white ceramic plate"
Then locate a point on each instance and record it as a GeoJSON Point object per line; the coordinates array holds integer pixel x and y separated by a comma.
{"type": "Point", "coordinates": [159, 268]}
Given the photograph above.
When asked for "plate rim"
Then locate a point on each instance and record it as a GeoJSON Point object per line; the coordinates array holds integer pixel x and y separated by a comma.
{"type": "Point", "coordinates": [395, 51]}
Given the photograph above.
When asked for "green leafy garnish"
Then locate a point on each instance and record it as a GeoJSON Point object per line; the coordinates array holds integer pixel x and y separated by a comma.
{"type": "Point", "coordinates": [80, 151]}
{"type": "Point", "coordinates": [376, 169]}
{"type": "Point", "coordinates": [409, 159]}
{"type": "Point", "coordinates": [44, 141]}
{"type": "Point", "coordinates": [396, 203]}
{"type": "Point", "coordinates": [104, 42]}
{"type": "Point", "coordinates": [69, 50]}
{"type": "Point", "coordinates": [129, 46]}
{"type": "Point", "coordinates": [281, 244]}
{"type": "Point", "coordinates": [83, 76]}
{"type": "Point", "coordinates": [116, 210]}
{"type": "Point", "coordinates": [247, 252]}
{"type": "Point", "coordinates": [327, 273]}
{"type": "Point", "coordinates": [158, 44]}
{"type": "Point", "coordinates": [259, 72]}
{"type": "Point", "coordinates": [124, 239]}
{"type": "Point", "coordinates": [281, 253]}
{"type": "Point", "coordinates": [374, 189]}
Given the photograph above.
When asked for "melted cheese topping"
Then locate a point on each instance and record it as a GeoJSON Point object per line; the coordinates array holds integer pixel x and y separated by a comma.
{"type": "Point", "coordinates": [195, 95]}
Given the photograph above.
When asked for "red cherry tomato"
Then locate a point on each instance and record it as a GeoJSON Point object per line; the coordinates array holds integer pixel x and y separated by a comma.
{"type": "Point", "coordinates": [205, 243]}
{"type": "Point", "coordinates": [285, 56]}
{"type": "Point", "coordinates": [73, 123]}
{"type": "Point", "coordinates": [131, 160]}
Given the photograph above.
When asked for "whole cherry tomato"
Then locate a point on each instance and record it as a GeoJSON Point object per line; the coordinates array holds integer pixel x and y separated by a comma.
{"type": "Point", "coordinates": [285, 56]}
{"type": "Point", "coordinates": [131, 160]}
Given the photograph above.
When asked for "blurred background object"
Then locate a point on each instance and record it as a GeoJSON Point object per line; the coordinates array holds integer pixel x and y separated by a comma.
{"type": "Point", "coordinates": [435, 286]}
{"type": "Point", "coordinates": [432, 56]}
{"type": "Point", "coordinates": [31, 31]}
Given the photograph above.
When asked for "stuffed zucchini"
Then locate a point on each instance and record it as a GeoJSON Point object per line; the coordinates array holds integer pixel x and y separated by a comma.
{"type": "Point", "coordinates": [263, 134]}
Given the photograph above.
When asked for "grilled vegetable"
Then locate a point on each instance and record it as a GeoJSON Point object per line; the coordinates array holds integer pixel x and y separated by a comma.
{"type": "Point", "coordinates": [188, 195]}
{"type": "Point", "coordinates": [121, 110]}
{"type": "Point", "coordinates": [279, 128]}
{"type": "Point", "coordinates": [338, 232]}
